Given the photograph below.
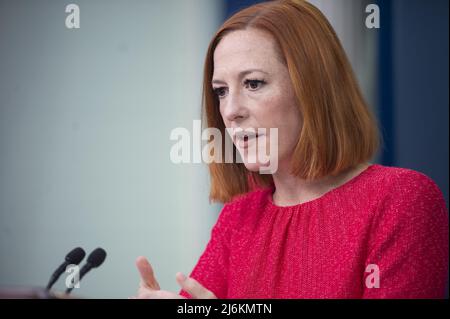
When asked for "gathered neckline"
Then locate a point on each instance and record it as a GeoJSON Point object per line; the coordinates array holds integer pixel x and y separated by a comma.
{"type": "Point", "coordinates": [350, 182]}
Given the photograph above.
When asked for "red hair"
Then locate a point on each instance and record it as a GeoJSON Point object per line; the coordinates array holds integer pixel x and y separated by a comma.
{"type": "Point", "coordinates": [339, 132]}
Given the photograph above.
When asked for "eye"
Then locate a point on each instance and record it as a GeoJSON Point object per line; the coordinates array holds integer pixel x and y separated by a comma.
{"type": "Point", "coordinates": [254, 85]}
{"type": "Point", "coordinates": [220, 92]}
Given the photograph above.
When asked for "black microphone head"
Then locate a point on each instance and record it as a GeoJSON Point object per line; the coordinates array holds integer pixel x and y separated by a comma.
{"type": "Point", "coordinates": [75, 256]}
{"type": "Point", "coordinates": [97, 257]}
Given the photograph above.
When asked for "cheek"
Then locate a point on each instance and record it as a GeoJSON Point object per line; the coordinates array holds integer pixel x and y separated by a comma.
{"type": "Point", "coordinates": [284, 114]}
{"type": "Point", "coordinates": [224, 119]}
{"type": "Point", "coordinates": [270, 112]}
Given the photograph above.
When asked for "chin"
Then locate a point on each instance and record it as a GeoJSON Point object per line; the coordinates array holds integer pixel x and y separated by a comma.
{"type": "Point", "coordinates": [250, 161]}
{"type": "Point", "coordinates": [252, 167]}
{"type": "Point", "coordinates": [253, 163]}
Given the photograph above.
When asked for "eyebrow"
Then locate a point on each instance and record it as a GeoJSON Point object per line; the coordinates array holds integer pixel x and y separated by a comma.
{"type": "Point", "coordinates": [240, 75]}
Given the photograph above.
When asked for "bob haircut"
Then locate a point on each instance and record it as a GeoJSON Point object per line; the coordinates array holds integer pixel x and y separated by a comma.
{"type": "Point", "coordinates": [338, 130]}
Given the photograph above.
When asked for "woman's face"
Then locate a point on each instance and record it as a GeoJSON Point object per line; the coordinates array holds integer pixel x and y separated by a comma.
{"type": "Point", "coordinates": [255, 92]}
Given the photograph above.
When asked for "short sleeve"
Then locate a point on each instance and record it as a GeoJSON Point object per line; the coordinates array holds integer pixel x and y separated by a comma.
{"type": "Point", "coordinates": [211, 269]}
{"type": "Point", "coordinates": [409, 241]}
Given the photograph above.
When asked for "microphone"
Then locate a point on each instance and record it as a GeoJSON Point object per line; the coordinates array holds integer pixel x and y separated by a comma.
{"type": "Point", "coordinates": [74, 257]}
{"type": "Point", "coordinates": [95, 259]}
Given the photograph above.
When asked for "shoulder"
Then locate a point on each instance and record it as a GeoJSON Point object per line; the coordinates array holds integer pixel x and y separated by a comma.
{"type": "Point", "coordinates": [392, 176]}
{"type": "Point", "coordinates": [406, 184]}
{"type": "Point", "coordinates": [244, 206]}
{"type": "Point", "coordinates": [409, 195]}
{"type": "Point", "coordinates": [408, 237]}
{"type": "Point", "coordinates": [251, 200]}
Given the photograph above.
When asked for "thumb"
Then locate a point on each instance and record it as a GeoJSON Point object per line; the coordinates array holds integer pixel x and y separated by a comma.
{"type": "Point", "coordinates": [193, 287]}
{"type": "Point", "coordinates": [147, 274]}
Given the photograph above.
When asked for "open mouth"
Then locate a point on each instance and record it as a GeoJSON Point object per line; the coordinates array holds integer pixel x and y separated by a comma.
{"type": "Point", "coordinates": [244, 138]}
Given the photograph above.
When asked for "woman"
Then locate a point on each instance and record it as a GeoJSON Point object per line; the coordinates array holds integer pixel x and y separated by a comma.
{"type": "Point", "coordinates": [326, 223]}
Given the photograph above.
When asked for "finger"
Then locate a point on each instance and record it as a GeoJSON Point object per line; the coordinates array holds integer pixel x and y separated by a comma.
{"type": "Point", "coordinates": [148, 279]}
{"type": "Point", "coordinates": [159, 294]}
{"type": "Point", "coordinates": [147, 274]}
{"type": "Point", "coordinates": [194, 288]}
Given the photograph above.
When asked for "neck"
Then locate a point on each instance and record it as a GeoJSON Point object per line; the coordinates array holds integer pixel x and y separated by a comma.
{"type": "Point", "coordinates": [291, 190]}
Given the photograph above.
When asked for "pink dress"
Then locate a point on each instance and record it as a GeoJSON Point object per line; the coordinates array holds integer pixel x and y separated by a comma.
{"type": "Point", "coordinates": [383, 234]}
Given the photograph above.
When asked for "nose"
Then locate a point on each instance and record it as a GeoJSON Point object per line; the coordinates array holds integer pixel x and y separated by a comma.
{"type": "Point", "coordinates": [234, 107]}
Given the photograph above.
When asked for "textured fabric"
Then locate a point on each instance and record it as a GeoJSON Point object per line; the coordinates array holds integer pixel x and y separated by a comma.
{"type": "Point", "coordinates": [390, 217]}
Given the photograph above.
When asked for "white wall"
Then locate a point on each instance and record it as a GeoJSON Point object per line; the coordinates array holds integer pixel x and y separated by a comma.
{"type": "Point", "coordinates": [85, 118]}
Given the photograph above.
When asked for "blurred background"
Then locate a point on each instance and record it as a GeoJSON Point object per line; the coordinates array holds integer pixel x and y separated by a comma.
{"type": "Point", "coordinates": [86, 116]}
